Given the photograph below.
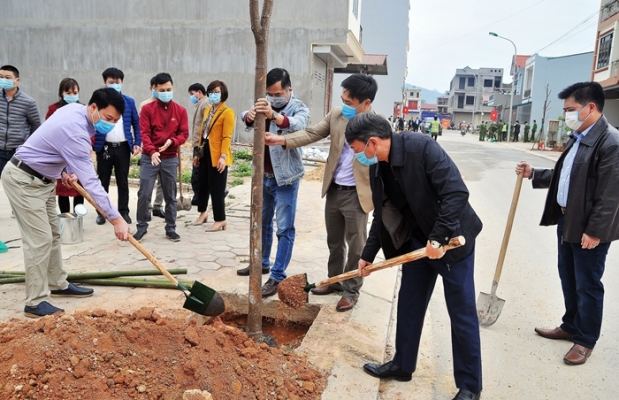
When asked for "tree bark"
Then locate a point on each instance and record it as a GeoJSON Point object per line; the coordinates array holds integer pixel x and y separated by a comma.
{"type": "Point", "coordinates": [260, 28]}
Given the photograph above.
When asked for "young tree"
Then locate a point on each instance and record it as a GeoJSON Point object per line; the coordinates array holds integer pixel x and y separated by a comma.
{"type": "Point", "coordinates": [546, 105]}
{"type": "Point", "coordinates": [260, 28]}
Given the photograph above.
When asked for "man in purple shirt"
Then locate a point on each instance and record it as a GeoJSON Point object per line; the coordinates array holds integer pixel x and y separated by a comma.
{"type": "Point", "coordinates": [60, 148]}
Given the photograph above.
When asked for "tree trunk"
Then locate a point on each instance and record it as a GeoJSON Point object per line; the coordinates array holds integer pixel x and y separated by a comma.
{"type": "Point", "coordinates": [260, 28]}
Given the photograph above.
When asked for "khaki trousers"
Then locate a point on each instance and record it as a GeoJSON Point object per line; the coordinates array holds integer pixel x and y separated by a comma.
{"type": "Point", "coordinates": [34, 205]}
{"type": "Point", "coordinates": [346, 224]}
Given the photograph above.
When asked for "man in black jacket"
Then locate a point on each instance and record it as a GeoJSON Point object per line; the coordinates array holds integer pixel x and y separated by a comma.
{"type": "Point", "coordinates": [583, 201]}
{"type": "Point", "coordinates": [420, 201]}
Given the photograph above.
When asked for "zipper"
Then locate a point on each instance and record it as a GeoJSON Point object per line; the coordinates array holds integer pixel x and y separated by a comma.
{"type": "Point", "coordinates": [6, 134]}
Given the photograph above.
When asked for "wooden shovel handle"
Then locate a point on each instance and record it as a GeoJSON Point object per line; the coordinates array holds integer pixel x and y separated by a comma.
{"type": "Point", "coordinates": [180, 172]}
{"type": "Point", "coordinates": [508, 231]}
{"type": "Point", "coordinates": [132, 240]}
{"type": "Point", "coordinates": [404, 258]}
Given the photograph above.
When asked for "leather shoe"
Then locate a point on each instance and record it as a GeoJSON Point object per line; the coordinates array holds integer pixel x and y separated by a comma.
{"type": "Point", "coordinates": [73, 291]}
{"type": "Point", "coordinates": [100, 220]}
{"type": "Point", "coordinates": [345, 304]}
{"type": "Point", "coordinates": [158, 213]}
{"type": "Point", "coordinates": [269, 288]}
{"type": "Point", "coordinates": [245, 271]}
{"type": "Point", "coordinates": [139, 235]}
{"type": "Point", "coordinates": [387, 370]}
{"type": "Point", "coordinates": [556, 333]}
{"type": "Point", "coordinates": [577, 355]}
{"type": "Point", "coordinates": [322, 290]}
{"type": "Point", "coordinates": [127, 218]}
{"type": "Point", "coordinates": [41, 310]}
{"type": "Point", "coordinates": [464, 394]}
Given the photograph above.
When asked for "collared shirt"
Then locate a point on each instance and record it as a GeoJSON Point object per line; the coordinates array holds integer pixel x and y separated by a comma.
{"type": "Point", "coordinates": [62, 142]}
{"type": "Point", "coordinates": [344, 171]}
{"type": "Point", "coordinates": [566, 170]}
{"type": "Point", "coordinates": [117, 134]}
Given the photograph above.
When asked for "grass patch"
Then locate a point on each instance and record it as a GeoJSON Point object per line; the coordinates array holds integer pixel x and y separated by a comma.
{"type": "Point", "coordinates": [236, 182]}
{"type": "Point", "coordinates": [242, 169]}
{"type": "Point", "coordinates": [242, 155]}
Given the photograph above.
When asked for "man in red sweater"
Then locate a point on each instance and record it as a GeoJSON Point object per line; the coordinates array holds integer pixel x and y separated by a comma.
{"type": "Point", "coordinates": [164, 127]}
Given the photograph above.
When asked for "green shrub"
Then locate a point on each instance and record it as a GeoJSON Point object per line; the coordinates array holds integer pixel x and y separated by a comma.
{"type": "Point", "coordinates": [242, 155]}
{"type": "Point", "coordinates": [236, 182]}
{"type": "Point", "coordinates": [242, 169]}
{"type": "Point", "coordinates": [134, 172]}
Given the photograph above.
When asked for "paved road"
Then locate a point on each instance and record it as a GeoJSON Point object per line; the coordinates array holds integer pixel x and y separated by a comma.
{"type": "Point", "coordinates": [517, 363]}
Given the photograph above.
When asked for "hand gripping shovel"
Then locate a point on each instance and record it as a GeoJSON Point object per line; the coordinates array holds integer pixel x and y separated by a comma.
{"type": "Point", "coordinates": [293, 291]}
{"type": "Point", "coordinates": [489, 306]}
{"type": "Point", "coordinates": [200, 299]}
{"type": "Point", "coordinates": [183, 203]}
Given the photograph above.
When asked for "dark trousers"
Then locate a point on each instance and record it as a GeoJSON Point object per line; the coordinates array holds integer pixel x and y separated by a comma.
{"type": "Point", "coordinates": [581, 273]}
{"type": "Point", "coordinates": [195, 183]}
{"type": "Point", "coordinates": [346, 224]}
{"type": "Point", "coordinates": [213, 184]}
{"type": "Point", "coordinates": [5, 157]}
{"type": "Point", "coordinates": [117, 158]}
{"type": "Point", "coordinates": [167, 171]}
{"type": "Point", "coordinates": [418, 280]}
{"type": "Point", "coordinates": [65, 205]}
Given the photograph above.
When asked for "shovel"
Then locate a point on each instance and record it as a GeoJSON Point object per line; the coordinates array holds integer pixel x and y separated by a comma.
{"type": "Point", "coordinates": [489, 306]}
{"type": "Point", "coordinates": [200, 299]}
{"type": "Point", "coordinates": [293, 291]}
{"type": "Point", "coordinates": [182, 203]}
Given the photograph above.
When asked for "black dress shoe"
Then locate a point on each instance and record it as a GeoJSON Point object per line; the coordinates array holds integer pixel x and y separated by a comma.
{"type": "Point", "coordinates": [127, 218]}
{"type": "Point", "coordinates": [269, 288]}
{"type": "Point", "coordinates": [139, 235]}
{"type": "Point", "coordinates": [100, 220]}
{"type": "Point", "coordinates": [158, 213]}
{"type": "Point", "coordinates": [245, 271]}
{"type": "Point", "coordinates": [173, 236]}
{"type": "Point", "coordinates": [73, 291]}
{"type": "Point", "coordinates": [387, 370]}
{"type": "Point", "coordinates": [464, 394]}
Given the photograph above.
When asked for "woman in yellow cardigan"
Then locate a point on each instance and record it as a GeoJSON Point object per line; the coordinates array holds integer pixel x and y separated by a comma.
{"type": "Point", "coordinates": [213, 155]}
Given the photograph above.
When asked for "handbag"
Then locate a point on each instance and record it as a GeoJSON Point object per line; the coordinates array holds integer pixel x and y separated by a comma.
{"type": "Point", "coordinates": [208, 126]}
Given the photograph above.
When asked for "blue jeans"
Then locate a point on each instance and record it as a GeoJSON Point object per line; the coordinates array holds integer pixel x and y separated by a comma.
{"type": "Point", "coordinates": [280, 201]}
{"type": "Point", "coordinates": [5, 157]}
{"type": "Point", "coordinates": [581, 273]}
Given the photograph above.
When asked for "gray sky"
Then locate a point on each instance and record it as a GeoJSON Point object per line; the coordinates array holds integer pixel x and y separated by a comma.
{"type": "Point", "coordinates": [450, 34]}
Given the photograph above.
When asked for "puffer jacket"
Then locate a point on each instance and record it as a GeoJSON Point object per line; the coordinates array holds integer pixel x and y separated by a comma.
{"type": "Point", "coordinates": [19, 118]}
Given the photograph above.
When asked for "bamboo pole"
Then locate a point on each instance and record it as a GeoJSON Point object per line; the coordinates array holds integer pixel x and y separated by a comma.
{"type": "Point", "coordinates": [19, 276]}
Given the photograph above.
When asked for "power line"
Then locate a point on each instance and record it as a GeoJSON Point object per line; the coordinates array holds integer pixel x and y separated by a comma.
{"type": "Point", "coordinates": [570, 31]}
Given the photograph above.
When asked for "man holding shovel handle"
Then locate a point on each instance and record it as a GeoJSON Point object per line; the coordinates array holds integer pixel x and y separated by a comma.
{"type": "Point", "coordinates": [60, 148]}
{"type": "Point", "coordinates": [420, 200]}
{"type": "Point", "coordinates": [583, 201]}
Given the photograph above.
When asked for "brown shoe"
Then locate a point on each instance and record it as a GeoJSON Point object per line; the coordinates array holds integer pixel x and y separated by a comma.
{"type": "Point", "coordinates": [556, 333]}
{"type": "Point", "coordinates": [323, 290]}
{"type": "Point", "coordinates": [345, 304]}
{"type": "Point", "coordinates": [577, 355]}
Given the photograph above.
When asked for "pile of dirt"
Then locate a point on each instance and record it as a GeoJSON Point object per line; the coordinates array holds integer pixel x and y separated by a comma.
{"type": "Point", "coordinates": [291, 291]}
{"type": "Point", "coordinates": [103, 355]}
{"type": "Point", "coordinates": [317, 174]}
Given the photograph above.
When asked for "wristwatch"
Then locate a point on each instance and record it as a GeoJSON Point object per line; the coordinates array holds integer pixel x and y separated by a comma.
{"type": "Point", "coordinates": [275, 115]}
{"type": "Point", "coordinates": [435, 244]}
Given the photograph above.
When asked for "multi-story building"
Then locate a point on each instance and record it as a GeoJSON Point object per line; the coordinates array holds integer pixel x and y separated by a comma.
{"type": "Point", "coordinates": [411, 102]}
{"type": "Point", "coordinates": [442, 104]}
{"type": "Point", "coordinates": [606, 59]}
{"type": "Point", "coordinates": [193, 40]}
{"type": "Point", "coordinates": [469, 92]}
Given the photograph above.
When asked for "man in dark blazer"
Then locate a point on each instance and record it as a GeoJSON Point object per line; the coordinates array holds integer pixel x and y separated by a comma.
{"type": "Point", "coordinates": [420, 201]}
{"type": "Point", "coordinates": [583, 201]}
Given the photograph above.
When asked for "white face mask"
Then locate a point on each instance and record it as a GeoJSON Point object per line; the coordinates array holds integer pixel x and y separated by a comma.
{"type": "Point", "coordinates": [572, 119]}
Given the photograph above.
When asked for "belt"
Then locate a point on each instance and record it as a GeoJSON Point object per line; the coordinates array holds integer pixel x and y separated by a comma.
{"type": "Point", "coordinates": [340, 187]}
{"type": "Point", "coordinates": [562, 209]}
{"type": "Point", "coordinates": [21, 165]}
{"type": "Point", "coordinates": [115, 144]}
{"type": "Point", "coordinates": [269, 175]}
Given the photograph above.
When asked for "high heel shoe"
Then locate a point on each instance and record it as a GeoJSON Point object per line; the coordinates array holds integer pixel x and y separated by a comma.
{"type": "Point", "coordinates": [201, 220]}
{"type": "Point", "coordinates": [217, 226]}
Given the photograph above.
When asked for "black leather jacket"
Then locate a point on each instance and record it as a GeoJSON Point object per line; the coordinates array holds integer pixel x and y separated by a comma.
{"type": "Point", "coordinates": [593, 196]}
{"type": "Point", "coordinates": [435, 193]}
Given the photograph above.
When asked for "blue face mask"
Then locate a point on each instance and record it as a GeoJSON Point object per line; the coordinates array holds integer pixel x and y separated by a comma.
{"type": "Point", "coordinates": [70, 99]}
{"type": "Point", "coordinates": [194, 99]}
{"type": "Point", "coordinates": [154, 93]}
{"type": "Point", "coordinates": [166, 97]}
{"type": "Point", "coordinates": [102, 126]}
{"type": "Point", "coordinates": [349, 111]}
{"type": "Point", "coordinates": [214, 98]}
{"type": "Point", "coordinates": [115, 86]}
{"type": "Point", "coordinates": [363, 159]}
{"type": "Point", "coordinates": [7, 84]}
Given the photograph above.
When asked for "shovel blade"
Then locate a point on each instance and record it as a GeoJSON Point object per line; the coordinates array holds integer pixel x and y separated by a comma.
{"type": "Point", "coordinates": [204, 300]}
{"type": "Point", "coordinates": [183, 204]}
{"type": "Point", "coordinates": [489, 308]}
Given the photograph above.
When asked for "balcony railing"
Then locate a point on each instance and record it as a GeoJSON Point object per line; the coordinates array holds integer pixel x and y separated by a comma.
{"type": "Point", "coordinates": [614, 67]}
{"type": "Point", "coordinates": [608, 10]}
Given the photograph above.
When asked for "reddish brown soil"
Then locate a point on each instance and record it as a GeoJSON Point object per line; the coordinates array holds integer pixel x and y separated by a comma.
{"type": "Point", "coordinates": [291, 291]}
{"type": "Point", "coordinates": [102, 355]}
{"type": "Point", "coordinates": [285, 333]}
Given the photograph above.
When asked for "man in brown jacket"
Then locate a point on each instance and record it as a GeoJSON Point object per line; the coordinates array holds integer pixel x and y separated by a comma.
{"type": "Point", "coordinates": [346, 185]}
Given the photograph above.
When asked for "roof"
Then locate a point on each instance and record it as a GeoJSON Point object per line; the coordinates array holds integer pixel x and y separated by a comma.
{"type": "Point", "coordinates": [518, 61]}
{"type": "Point", "coordinates": [371, 64]}
{"type": "Point", "coordinates": [427, 106]}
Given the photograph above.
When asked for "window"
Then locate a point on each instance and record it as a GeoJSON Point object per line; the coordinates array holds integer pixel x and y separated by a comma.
{"type": "Point", "coordinates": [488, 83]}
{"type": "Point", "coordinates": [470, 100]}
{"type": "Point", "coordinates": [460, 101]}
{"type": "Point", "coordinates": [471, 81]}
{"type": "Point", "coordinates": [462, 82]}
{"type": "Point", "coordinates": [497, 82]}
{"type": "Point", "coordinates": [604, 51]}
{"type": "Point", "coordinates": [412, 94]}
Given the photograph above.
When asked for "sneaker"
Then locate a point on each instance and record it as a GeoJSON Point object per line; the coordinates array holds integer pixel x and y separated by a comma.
{"type": "Point", "coordinates": [158, 213]}
{"type": "Point", "coordinates": [41, 310]}
{"type": "Point", "coordinates": [173, 236]}
{"type": "Point", "coordinates": [269, 288]}
{"type": "Point", "coordinates": [245, 271]}
{"type": "Point", "coordinates": [127, 218]}
{"type": "Point", "coordinates": [73, 291]}
{"type": "Point", "coordinates": [139, 234]}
